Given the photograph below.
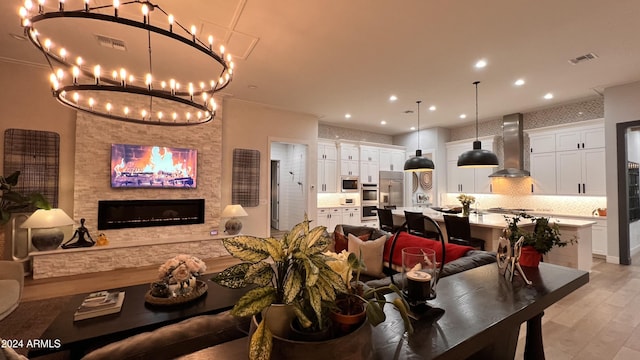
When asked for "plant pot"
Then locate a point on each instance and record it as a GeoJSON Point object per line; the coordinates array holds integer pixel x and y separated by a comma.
{"type": "Point", "coordinates": [346, 321]}
{"type": "Point", "coordinates": [530, 257]}
{"type": "Point", "coordinates": [301, 334]}
{"type": "Point", "coordinates": [356, 345]}
{"type": "Point", "coordinates": [278, 318]}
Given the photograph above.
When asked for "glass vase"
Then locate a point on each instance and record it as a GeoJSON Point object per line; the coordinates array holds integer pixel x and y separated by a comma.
{"type": "Point", "coordinates": [465, 210]}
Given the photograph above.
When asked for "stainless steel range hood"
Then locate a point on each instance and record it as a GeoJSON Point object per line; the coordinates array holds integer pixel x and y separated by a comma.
{"type": "Point", "coordinates": [513, 148]}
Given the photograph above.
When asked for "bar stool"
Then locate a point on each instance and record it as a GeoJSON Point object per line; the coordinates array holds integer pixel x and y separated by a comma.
{"type": "Point", "coordinates": [417, 226]}
{"type": "Point", "coordinates": [385, 217]}
{"type": "Point", "coordinates": [459, 232]}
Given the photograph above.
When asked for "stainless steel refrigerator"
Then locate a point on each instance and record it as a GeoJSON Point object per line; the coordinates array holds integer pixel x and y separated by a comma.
{"type": "Point", "coordinates": [391, 187]}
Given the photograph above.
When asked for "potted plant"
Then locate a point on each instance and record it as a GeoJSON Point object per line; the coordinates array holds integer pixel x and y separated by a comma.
{"type": "Point", "coordinates": [13, 201]}
{"type": "Point", "coordinates": [538, 242]}
{"type": "Point", "coordinates": [351, 307]}
{"type": "Point", "coordinates": [291, 271]}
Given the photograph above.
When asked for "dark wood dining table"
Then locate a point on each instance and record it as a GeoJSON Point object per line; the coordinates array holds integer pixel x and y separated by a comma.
{"type": "Point", "coordinates": [482, 319]}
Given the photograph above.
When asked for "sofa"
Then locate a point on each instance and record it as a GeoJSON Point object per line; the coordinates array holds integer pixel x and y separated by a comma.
{"type": "Point", "coordinates": [463, 257]}
{"type": "Point", "coordinates": [11, 283]}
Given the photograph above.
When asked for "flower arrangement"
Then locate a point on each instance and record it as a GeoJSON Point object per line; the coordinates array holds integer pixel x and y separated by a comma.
{"type": "Point", "coordinates": [181, 270]}
{"type": "Point", "coordinates": [466, 200]}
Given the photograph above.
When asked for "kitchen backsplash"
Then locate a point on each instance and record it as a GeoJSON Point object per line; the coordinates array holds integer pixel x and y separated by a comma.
{"type": "Point", "coordinates": [553, 204]}
{"type": "Point", "coordinates": [333, 199]}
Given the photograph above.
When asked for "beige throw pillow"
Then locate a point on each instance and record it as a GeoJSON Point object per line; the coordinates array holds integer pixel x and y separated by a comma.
{"type": "Point", "coordinates": [372, 251]}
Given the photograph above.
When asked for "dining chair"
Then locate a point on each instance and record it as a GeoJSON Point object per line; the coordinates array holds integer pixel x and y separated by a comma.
{"type": "Point", "coordinates": [385, 217]}
{"type": "Point", "coordinates": [459, 232]}
{"type": "Point", "coordinates": [416, 225]}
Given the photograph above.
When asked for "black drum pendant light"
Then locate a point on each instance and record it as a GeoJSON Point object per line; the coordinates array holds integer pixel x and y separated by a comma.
{"type": "Point", "coordinates": [477, 158]}
{"type": "Point", "coordinates": [418, 162]}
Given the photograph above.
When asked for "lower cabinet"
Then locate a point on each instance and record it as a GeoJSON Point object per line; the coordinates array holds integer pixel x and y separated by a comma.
{"type": "Point", "coordinates": [599, 238]}
{"type": "Point", "coordinates": [330, 217]}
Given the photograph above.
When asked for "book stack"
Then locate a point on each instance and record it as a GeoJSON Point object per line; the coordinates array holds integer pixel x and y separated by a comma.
{"type": "Point", "coordinates": [98, 304]}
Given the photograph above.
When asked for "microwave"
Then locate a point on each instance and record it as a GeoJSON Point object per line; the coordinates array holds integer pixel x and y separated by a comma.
{"type": "Point", "coordinates": [349, 184]}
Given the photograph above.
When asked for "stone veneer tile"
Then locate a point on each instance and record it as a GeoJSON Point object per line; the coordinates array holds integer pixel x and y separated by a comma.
{"type": "Point", "coordinates": [94, 136]}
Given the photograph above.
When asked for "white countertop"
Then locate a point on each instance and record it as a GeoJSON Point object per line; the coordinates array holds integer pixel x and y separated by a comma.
{"type": "Point", "coordinates": [493, 220]}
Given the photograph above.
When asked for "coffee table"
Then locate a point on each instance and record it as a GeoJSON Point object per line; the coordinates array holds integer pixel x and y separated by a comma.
{"type": "Point", "coordinates": [483, 314]}
{"type": "Point", "coordinates": [135, 317]}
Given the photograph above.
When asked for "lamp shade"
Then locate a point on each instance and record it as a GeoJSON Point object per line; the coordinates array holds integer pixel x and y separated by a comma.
{"type": "Point", "coordinates": [233, 211]}
{"type": "Point", "coordinates": [418, 163]}
{"type": "Point", "coordinates": [478, 157]}
{"type": "Point", "coordinates": [43, 219]}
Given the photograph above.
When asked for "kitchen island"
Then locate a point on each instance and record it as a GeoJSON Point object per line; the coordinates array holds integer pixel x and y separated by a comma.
{"type": "Point", "coordinates": [489, 228]}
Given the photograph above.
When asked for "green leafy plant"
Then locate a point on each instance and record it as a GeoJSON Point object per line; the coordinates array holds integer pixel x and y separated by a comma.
{"type": "Point", "coordinates": [372, 299]}
{"type": "Point", "coordinates": [13, 201]}
{"type": "Point", "coordinates": [292, 270]}
{"type": "Point", "coordinates": [543, 237]}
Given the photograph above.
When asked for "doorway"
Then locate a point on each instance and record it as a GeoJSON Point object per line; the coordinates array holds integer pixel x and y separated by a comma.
{"type": "Point", "coordinates": [275, 194]}
{"type": "Point", "coordinates": [628, 160]}
{"type": "Point", "coordinates": [288, 185]}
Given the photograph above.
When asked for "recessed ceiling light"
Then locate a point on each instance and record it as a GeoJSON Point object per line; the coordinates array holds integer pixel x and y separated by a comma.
{"type": "Point", "coordinates": [519, 82]}
{"type": "Point", "coordinates": [432, 108]}
{"type": "Point", "coordinates": [481, 63]}
{"type": "Point", "coordinates": [463, 116]}
{"type": "Point", "coordinates": [383, 122]}
{"type": "Point", "coordinates": [18, 37]}
{"type": "Point", "coordinates": [548, 96]}
{"type": "Point", "coordinates": [412, 128]}
{"type": "Point", "coordinates": [252, 87]}
{"type": "Point", "coordinates": [393, 98]}
{"type": "Point", "coordinates": [348, 116]}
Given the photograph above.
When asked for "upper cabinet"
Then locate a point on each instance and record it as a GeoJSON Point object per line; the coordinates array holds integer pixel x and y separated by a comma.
{"type": "Point", "coordinates": [327, 167]}
{"type": "Point", "coordinates": [467, 180]}
{"type": "Point", "coordinates": [392, 159]}
{"type": "Point", "coordinates": [568, 160]}
{"type": "Point", "coordinates": [349, 159]}
{"type": "Point", "coordinates": [369, 164]}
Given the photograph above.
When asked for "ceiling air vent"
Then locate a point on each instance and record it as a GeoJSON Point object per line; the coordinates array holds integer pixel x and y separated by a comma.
{"type": "Point", "coordinates": [583, 58]}
{"type": "Point", "coordinates": [111, 43]}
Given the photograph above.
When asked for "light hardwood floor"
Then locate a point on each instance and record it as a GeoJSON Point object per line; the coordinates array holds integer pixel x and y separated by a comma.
{"type": "Point", "coordinates": [598, 321]}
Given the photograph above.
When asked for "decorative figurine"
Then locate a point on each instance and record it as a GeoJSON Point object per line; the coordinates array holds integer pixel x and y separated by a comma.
{"type": "Point", "coordinates": [509, 259]}
{"type": "Point", "coordinates": [81, 232]}
{"type": "Point", "coordinates": [102, 240]}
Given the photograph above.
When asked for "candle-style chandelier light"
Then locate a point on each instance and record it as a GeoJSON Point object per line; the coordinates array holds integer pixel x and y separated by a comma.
{"type": "Point", "coordinates": [107, 62]}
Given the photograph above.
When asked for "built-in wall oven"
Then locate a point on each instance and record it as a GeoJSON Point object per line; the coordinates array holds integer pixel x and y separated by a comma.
{"type": "Point", "coordinates": [369, 201]}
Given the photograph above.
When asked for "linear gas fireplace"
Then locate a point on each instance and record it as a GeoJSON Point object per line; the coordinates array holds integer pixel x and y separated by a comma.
{"type": "Point", "coordinates": [120, 214]}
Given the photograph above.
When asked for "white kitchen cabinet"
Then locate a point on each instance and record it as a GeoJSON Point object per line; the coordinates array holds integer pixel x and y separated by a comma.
{"type": "Point", "coordinates": [351, 216]}
{"type": "Point", "coordinates": [579, 172]}
{"type": "Point", "coordinates": [369, 172]}
{"type": "Point", "coordinates": [587, 137]}
{"type": "Point", "coordinates": [599, 237]}
{"type": "Point", "coordinates": [391, 160]}
{"type": "Point", "coordinates": [369, 154]}
{"type": "Point", "coordinates": [349, 160]}
{"type": "Point", "coordinates": [327, 151]}
{"type": "Point", "coordinates": [327, 168]}
{"type": "Point", "coordinates": [369, 164]}
{"type": "Point", "coordinates": [568, 159]}
{"type": "Point", "coordinates": [542, 143]}
{"type": "Point", "coordinates": [467, 180]}
{"type": "Point", "coordinates": [349, 168]}
{"type": "Point", "coordinates": [329, 218]}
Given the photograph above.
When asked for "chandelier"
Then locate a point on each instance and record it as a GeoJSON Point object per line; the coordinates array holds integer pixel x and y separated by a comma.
{"type": "Point", "coordinates": [107, 62]}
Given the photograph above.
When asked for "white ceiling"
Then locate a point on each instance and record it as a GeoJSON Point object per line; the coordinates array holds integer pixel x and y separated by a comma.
{"type": "Point", "coordinates": [333, 57]}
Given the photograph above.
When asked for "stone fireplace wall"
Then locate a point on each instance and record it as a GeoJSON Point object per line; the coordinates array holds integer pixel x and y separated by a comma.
{"type": "Point", "coordinates": [94, 136]}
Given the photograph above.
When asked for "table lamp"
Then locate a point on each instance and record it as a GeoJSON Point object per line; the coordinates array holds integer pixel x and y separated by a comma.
{"type": "Point", "coordinates": [45, 233]}
{"type": "Point", "coordinates": [233, 212]}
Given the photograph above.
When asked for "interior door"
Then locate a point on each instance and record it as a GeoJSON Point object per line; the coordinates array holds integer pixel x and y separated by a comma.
{"type": "Point", "coordinates": [275, 194]}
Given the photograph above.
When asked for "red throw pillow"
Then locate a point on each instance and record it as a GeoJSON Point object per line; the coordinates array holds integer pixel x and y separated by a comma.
{"type": "Point", "coordinates": [405, 240]}
{"type": "Point", "coordinates": [342, 243]}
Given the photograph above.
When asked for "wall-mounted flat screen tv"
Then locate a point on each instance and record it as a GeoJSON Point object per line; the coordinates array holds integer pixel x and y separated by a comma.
{"type": "Point", "coordinates": [145, 166]}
